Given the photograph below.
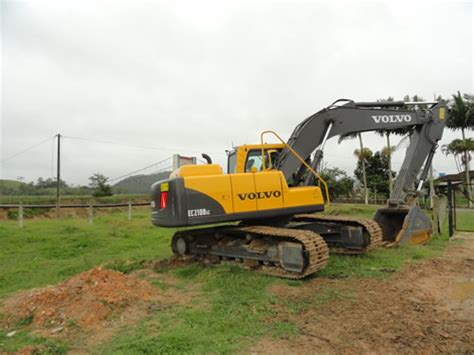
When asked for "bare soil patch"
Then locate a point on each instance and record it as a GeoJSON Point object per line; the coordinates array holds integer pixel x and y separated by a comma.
{"type": "Point", "coordinates": [87, 308]}
{"type": "Point", "coordinates": [426, 308]}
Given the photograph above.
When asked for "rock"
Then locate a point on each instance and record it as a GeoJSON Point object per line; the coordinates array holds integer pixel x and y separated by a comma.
{"type": "Point", "coordinates": [57, 330]}
{"type": "Point", "coordinates": [11, 334]}
{"type": "Point", "coordinates": [444, 335]}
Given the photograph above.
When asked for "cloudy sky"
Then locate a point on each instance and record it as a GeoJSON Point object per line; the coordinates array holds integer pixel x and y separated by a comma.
{"type": "Point", "coordinates": [168, 77]}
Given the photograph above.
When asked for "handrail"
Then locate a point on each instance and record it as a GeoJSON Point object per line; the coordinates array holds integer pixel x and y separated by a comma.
{"type": "Point", "coordinates": [317, 176]}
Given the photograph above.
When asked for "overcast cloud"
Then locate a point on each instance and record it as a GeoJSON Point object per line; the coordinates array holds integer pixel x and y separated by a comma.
{"type": "Point", "coordinates": [199, 76]}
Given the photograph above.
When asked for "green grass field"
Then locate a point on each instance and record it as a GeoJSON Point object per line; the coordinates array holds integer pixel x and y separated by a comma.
{"type": "Point", "coordinates": [231, 311]}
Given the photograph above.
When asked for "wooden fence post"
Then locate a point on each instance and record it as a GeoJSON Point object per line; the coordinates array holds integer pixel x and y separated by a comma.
{"type": "Point", "coordinates": [129, 210]}
{"type": "Point", "coordinates": [91, 214]}
{"type": "Point", "coordinates": [435, 215]}
{"type": "Point", "coordinates": [450, 209]}
{"type": "Point", "coordinates": [20, 215]}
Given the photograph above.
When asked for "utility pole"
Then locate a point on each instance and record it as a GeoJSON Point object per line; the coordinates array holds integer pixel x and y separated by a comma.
{"type": "Point", "coordinates": [58, 176]}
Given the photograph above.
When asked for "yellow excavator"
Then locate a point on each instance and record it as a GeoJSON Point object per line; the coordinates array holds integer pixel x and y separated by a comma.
{"type": "Point", "coordinates": [274, 193]}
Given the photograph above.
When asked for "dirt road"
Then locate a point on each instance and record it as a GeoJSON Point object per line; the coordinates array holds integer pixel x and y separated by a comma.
{"type": "Point", "coordinates": [428, 307]}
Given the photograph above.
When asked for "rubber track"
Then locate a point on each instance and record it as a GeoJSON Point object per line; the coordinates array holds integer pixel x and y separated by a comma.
{"type": "Point", "coordinates": [314, 244]}
{"type": "Point", "coordinates": [372, 228]}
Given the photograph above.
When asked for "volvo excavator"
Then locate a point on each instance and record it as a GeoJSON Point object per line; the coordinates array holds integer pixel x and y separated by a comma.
{"type": "Point", "coordinates": [264, 211]}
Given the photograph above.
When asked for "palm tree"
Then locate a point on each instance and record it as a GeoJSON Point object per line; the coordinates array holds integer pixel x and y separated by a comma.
{"type": "Point", "coordinates": [362, 154]}
{"type": "Point", "coordinates": [388, 150]}
{"type": "Point", "coordinates": [458, 148]}
{"type": "Point", "coordinates": [461, 116]}
{"type": "Point", "coordinates": [359, 157]}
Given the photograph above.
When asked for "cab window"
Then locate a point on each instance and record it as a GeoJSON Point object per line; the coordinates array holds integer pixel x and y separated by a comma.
{"type": "Point", "coordinates": [254, 159]}
{"type": "Point", "coordinates": [231, 161]}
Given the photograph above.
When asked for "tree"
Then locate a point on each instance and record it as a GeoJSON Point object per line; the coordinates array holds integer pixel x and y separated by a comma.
{"type": "Point", "coordinates": [99, 183]}
{"type": "Point", "coordinates": [458, 148]}
{"type": "Point", "coordinates": [360, 157]}
{"type": "Point", "coordinates": [339, 184]}
{"type": "Point", "coordinates": [388, 149]}
{"type": "Point", "coordinates": [377, 172]}
{"type": "Point", "coordinates": [461, 117]}
{"type": "Point", "coordinates": [49, 183]}
{"type": "Point", "coordinates": [362, 154]}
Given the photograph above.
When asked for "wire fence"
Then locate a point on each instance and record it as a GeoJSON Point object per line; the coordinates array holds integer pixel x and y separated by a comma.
{"type": "Point", "coordinates": [21, 210]}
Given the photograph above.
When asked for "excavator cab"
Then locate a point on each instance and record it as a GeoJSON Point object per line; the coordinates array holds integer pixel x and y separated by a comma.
{"type": "Point", "coordinates": [245, 157]}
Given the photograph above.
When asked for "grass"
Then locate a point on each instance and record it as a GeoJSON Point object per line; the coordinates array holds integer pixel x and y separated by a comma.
{"type": "Point", "coordinates": [465, 220]}
{"type": "Point", "coordinates": [22, 339]}
{"type": "Point", "coordinates": [232, 308]}
{"type": "Point", "coordinates": [226, 317]}
{"type": "Point", "coordinates": [366, 211]}
{"type": "Point", "coordinates": [49, 251]}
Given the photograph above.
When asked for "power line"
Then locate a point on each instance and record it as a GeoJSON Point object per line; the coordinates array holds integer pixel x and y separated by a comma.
{"type": "Point", "coordinates": [139, 170]}
{"type": "Point", "coordinates": [173, 149]}
{"type": "Point", "coordinates": [168, 168]}
{"type": "Point", "coordinates": [27, 149]}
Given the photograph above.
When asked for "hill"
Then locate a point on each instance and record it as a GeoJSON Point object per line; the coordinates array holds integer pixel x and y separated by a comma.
{"type": "Point", "coordinates": [9, 187]}
{"type": "Point", "coordinates": [139, 184]}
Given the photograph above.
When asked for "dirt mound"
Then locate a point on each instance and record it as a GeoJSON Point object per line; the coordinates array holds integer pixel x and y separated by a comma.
{"type": "Point", "coordinates": [85, 300]}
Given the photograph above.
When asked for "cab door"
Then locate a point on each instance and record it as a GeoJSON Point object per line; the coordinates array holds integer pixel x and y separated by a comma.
{"type": "Point", "coordinates": [268, 189]}
{"type": "Point", "coordinates": [243, 192]}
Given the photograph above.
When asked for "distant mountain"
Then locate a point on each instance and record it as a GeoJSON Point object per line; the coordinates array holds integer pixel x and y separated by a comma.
{"type": "Point", "coordinates": [139, 184]}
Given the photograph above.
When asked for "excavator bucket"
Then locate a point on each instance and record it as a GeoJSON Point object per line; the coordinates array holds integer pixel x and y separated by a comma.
{"type": "Point", "coordinates": [404, 225]}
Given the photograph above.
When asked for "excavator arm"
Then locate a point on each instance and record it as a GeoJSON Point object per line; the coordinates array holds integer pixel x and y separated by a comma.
{"type": "Point", "coordinates": [400, 221]}
{"type": "Point", "coordinates": [352, 117]}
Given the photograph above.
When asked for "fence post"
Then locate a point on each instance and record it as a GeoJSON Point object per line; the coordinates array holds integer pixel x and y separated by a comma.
{"type": "Point", "coordinates": [90, 213]}
{"type": "Point", "coordinates": [129, 210]}
{"type": "Point", "coordinates": [455, 207]}
{"type": "Point", "coordinates": [450, 209]}
{"type": "Point", "coordinates": [434, 214]}
{"type": "Point", "coordinates": [20, 215]}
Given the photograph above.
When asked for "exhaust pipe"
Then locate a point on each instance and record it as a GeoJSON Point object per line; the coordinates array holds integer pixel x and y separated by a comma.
{"type": "Point", "coordinates": [404, 225]}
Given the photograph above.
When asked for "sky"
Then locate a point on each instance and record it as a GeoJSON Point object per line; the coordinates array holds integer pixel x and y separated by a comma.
{"type": "Point", "coordinates": [185, 77]}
